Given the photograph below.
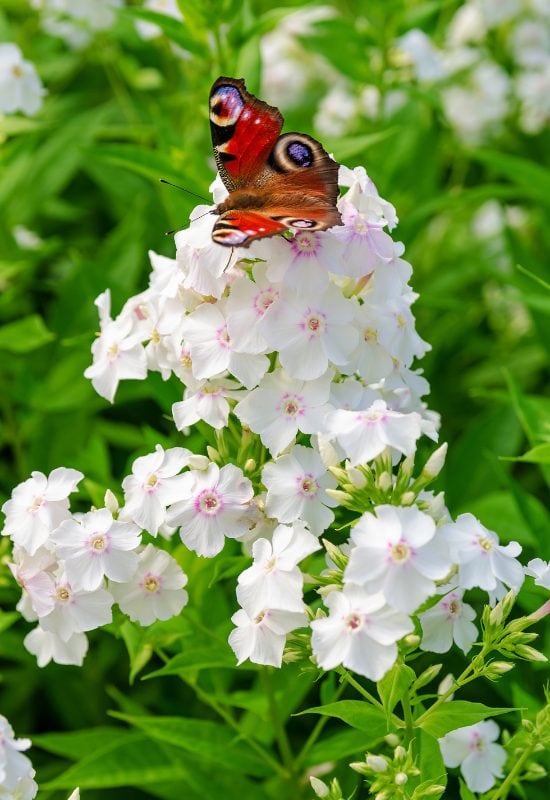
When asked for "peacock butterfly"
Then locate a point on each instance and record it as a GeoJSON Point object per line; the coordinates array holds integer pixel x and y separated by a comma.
{"type": "Point", "coordinates": [275, 183]}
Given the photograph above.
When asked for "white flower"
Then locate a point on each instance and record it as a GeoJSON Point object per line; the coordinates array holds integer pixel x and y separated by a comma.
{"type": "Point", "coordinates": [281, 406]}
{"type": "Point", "coordinates": [118, 352]}
{"type": "Point", "coordinates": [481, 560]}
{"type": "Point", "coordinates": [451, 619]}
{"type": "Point", "coordinates": [14, 766]}
{"type": "Point", "coordinates": [274, 580]}
{"type": "Point", "coordinates": [309, 332]}
{"type": "Point", "coordinates": [204, 264]}
{"type": "Point", "coordinates": [472, 748]}
{"type": "Point", "coordinates": [35, 575]}
{"type": "Point", "coordinates": [48, 646]}
{"type": "Point", "coordinates": [426, 59]}
{"type": "Point", "coordinates": [97, 546]}
{"type": "Point", "coordinates": [153, 485]}
{"type": "Point", "coordinates": [398, 552]}
{"type": "Point", "coordinates": [478, 107]}
{"type": "Point", "coordinates": [211, 347]}
{"type": "Point", "coordinates": [361, 633]}
{"type": "Point", "coordinates": [77, 611]}
{"type": "Point", "coordinates": [247, 304]}
{"type": "Point", "coordinates": [75, 21]}
{"type": "Point", "coordinates": [148, 30]}
{"type": "Point", "coordinates": [296, 484]}
{"type": "Point", "coordinates": [207, 401]}
{"type": "Point", "coordinates": [213, 505]}
{"type": "Point", "coordinates": [20, 87]}
{"type": "Point", "coordinates": [540, 571]}
{"type": "Point", "coordinates": [262, 637]}
{"type": "Point", "coordinates": [156, 590]}
{"type": "Point", "coordinates": [359, 244]}
{"type": "Point", "coordinates": [37, 506]}
{"type": "Point", "coordinates": [364, 434]}
{"type": "Point", "coordinates": [300, 263]}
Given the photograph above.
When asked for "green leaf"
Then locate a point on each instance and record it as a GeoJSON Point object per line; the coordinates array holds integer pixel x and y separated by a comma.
{"type": "Point", "coordinates": [140, 160]}
{"type": "Point", "coordinates": [176, 30]}
{"type": "Point", "coordinates": [340, 745]}
{"type": "Point", "coordinates": [355, 145]}
{"type": "Point", "coordinates": [540, 454]}
{"type": "Point", "coordinates": [431, 764]}
{"type": "Point", "coordinates": [25, 335]}
{"type": "Point", "coordinates": [533, 178]}
{"type": "Point", "coordinates": [210, 740]}
{"type": "Point", "coordinates": [196, 659]}
{"type": "Point", "coordinates": [7, 619]}
{"type": "Point", "coordinates": [457, 714]}
{"type": "Point", "coordinates": [78, 744]}
{"type": "Point", "coordinates": [394, 684]}
{"type": "Point", "coordinates": [465, 793]}
{"type": "Point", "coordinates": [356, 713]}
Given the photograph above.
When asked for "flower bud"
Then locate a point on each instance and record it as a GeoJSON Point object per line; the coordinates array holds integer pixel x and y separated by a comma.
{"type": "Point", "coordinates": [412, 640]}
{"type": "Point", "coordinates": [213, 454]}
{"type": "Point", "coordinates": [401, 778]}
{"type": "Point", "coordinates": [320, 788]}
{"type": "Point", "coordinates": [400, 754]}
{"type": "Point", "coordinates": [111, 503]}
{"type": "Point", "coordinates": [377, 763]}
{"type": "Point", "coordinates": [339, 473]}
{"type": "Point", "coordinates": [360, 767]}
{"type": "Point", "coordinates": [434, 464]}
{"type": "Point", "coordinates": [384, 481]}
{"type": "Point", "coordinates": [529, 653]}
{"type": "Point", "coordinates": [436, 789]}
{"type": "Point", "coordinates": [408, 498]}
{"type": "Point", "coordinates": [199, 461]}
{"type": "Point", "coordinates": [356, 477]}
{"type": "Point", "coordinates": [497, 668]}
{"type": "Point", "coordinates": [250, 465]}
{"type": "Point", "coordinates": [392, 739]}
{"type": "Point", "coordinates": [534, 771]}
{"type": "Point", "coordinates": [446, 684]}
{"type": "Point", "coordinates": [496, 616]}
{"type": "Point", "coordinates": [335, 554]}
{"type": "Point", "coordinates": [427, 676]}
{"type": "Point", "coordinates": [342, 498]}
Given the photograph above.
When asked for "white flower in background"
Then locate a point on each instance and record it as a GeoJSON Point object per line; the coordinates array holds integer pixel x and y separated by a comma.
{"type": "Point", "coordinates": [20, 87]}
{"type": "Point", "coordinates": [213, 505]}
{"type": "Point", "coordinates": [370, 358]}
{"type": "Point", "coordinates": [37, 506]}
{"type": "Point", "coordinates": [211, 347]}
{"type": "Point", "coordinates": [309, 332]}
{"type": "Point", "coordinates": [170, 8]}
{"type": "Point", "coordinates": [495, 12]}
{"type": "Point", "coordinates": [76, 21]}
{"type": "Point", "coordinates": [364, 195]}
{"type": "Point", "coordinates": [117, 353]}
{"type": "Point", "coordinates": [473, 749]}
{"type": "Point", "coordinates": [296, 484]}
{"type": "Point", "coordinates": [154, 484]}
{"type": "Point", "coordinates": [426, 59]}
{"type": "Point", "coordinates": [450, 620]}
{"type": "Point", "coordinates": [262, 637]}
{"type": "Point", "coordinates": [481, 560]}
{"type": "Point", "coordinates": [540, 571]}
{"type": "Point", "coordinates": [360, 632]}
{"type": "Point", "coordinates": [77, 611]}
{"type": "Point", "coordinates": [207, 401]}
{"type": "Point", "coordinates": [274, 580]}
{"type": "Point", "coordinates": [48, 646]}
{"type": "Point", "coordinates": [96, 546]}
{"type": "Point", "coordinates": [478, 107]}
{"type": "Point", "coordinates": [399, 553]}
{"type": "Point", "coordinates": [533, 90]}
{"type": "Point", "coordinates": [530, 44]}
{"type": "Point", "coordinates": [336, 111]}
{"type": "Point", "coordinates": [364, 434]}
{"type": "Point", "coordinates": [15, 768]}
{"type": "Point", "coordinates": [466, 26]}
{"type": "Point", "coordinates": [281, 406]}
{"type": "Point", "coordinates": [155, 591]}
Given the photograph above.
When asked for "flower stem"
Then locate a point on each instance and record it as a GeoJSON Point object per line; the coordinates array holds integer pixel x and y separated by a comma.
{"type": "Point", "coordinates": [280, 732]}
{"type": "Point", "coordinates": [502, 792]}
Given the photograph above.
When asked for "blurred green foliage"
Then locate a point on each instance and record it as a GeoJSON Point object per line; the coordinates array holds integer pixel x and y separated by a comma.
{"type": "Point", "coordinates": [83, 175]}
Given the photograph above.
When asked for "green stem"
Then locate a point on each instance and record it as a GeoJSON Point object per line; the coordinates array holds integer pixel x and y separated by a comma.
{"type": "Point", "coordinates": [408, 717]}
{"type": "Point", "coordinates": [502, 791]}
{"type": "Point", "coordinates": [462, 680]}
{"type": "Point", "coordinates": [280, 732]}
{"type": "Point", "coordinates": [317, 730]}
{"type": "Point", "coordinates": [357, 686]}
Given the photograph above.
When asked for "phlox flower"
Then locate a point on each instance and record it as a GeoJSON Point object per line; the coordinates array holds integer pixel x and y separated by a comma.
{"type": "Point", "coordinates": [96, 546]}
{"type": "Point", "coordinates": [473, 749]}
{"type": "Point", "coordinates": [274, 580]}
{"type": "Point", "coordinates": [213, 505]}
{"type": "Point", "coordinates": [154, 484]}
{"type": "Point", "coordinates": [20, 87]}
{"type": "Point", "coordinates": [397, 330]}
{"type": "Point", "coordinates": [13, 764]}
{"type": "Point", "coordinates": [360, 632]}
{"type": "Point", "coordinates": [281, 406]}
{"type": "Point", "coordinates": [162, 319]}
{"type": "Point", "coordinates": [156, 589]}
{"type": "Point", "coordinates": [310, 331]}
{"type": "Point", "coordinates": [247, 303]}
{"type": "Point", "coordinates": [364, 195]}
{"type": "Point", "coordinates": [481, 560]}
{"type": "Point", "coordinates": [540, 571]}
{"type": "Point", "coordinates": [300, 262]}
{"type": "Point", "coordinates": [296, 489]}
{"type": "Point", "coordinates": [450, 620]}
{"type": "Point", "coordinates": [211, 347]}
{"type": "Point", "coordinates": [35, 575]}
{"type": "Point", "coordinates": [398, 552]}
{"type": "Point", "coordinates": [207, 401]}
{"type": "Point", "coordinates": [37, 506]}
{"type": "Point", "coordinates": [77, 611]}
{"type": "Point", "coordinates": [203, 263]}
{"type": "Point", "coordinates": [361, 240]}
{"type": "Point", "coordinates": [364, 434]}
{"type": "Point", "coordinates": [262, 637]}
{"type": "Point", "coordinates": [117, 353]}
{"type": "Point", "coordinates": [48, 646]}
{"type": "Point", "coordinates": [370, 358]}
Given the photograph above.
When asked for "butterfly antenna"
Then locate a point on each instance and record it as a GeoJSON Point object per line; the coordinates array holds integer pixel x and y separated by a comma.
{"type": "Point", "coordinates": [176, 230]}
{"type": "Point", "coordinates": [175, 186]}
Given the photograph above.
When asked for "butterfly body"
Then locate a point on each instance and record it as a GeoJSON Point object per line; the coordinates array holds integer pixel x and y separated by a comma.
{"type": "Point", "coordinates": [275, 183]}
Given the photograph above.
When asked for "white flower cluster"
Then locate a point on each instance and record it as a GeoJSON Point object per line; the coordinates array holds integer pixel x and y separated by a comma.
{"type": "Point", "coordinates": [76, 21]}
{"type": "Point", "coordinates": [72, 567]}
{"type": "Point", "coordinates": [477, 92]}
{"type": "Point", "coordinates": [20, 87]}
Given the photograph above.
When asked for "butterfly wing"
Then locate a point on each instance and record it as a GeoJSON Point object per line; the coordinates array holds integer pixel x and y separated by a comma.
{"type": "Point", "coordinates": [239, 228]}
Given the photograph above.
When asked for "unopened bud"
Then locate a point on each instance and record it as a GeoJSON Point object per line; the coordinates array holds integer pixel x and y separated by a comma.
{"type": "Point", "coordinates": [382, 796]}
{"type": "Point", "coordinates": [320, 788]}
{"type": "Point", "coordinates": [412, 640]}
{"type": "Point", "coordinates": [361, 767]}
{"type": "Point", "coordinates": [338, 558]}
{"type": "Point", "coordinates": [534, 771]}
{"type": "Point", "coordinates": [342, 498]}
{"type": "Point", "coordinates": [436, 789]}
{"type": "Point", "coordinates": [213, 454]}
{"type": "Point", "coordinates": [199, 461]}
{"type": "Point", "coordinates": [497, 668]}
{"type": "Point", "coordinates": [496, 616]}
{"type": "Point", "coordinates": [529, 653]}
{"type": "Point", "coordinates": [324, 591]}
{"type": "Point", "coordinates": [400, 754]}
{"type": "Point", "coordinates": [339, 473]}
{"type": "Point", "coordinates": [401, 778]}
{"type": "Point", "coordinates": [528, 725]}
{"type": "Point", "coordinates": [408, 498]}
{"type": "Point", "coordinates": [356, 477]}
{"type": "Point", "coordinates": [384, 481]}
{"type": "Point", "coordinates": [446, 684]}
{"type": "Point", "coordinates": [392, 739]}
{"type": "Point", "coordinates": [434, 464]}
{"type": "Point", "coordinates": [377, 763]}
{"type": "Point", "coordinates": [427, 676]}
{"type": "Point", "coordinates": [508, 602]}
{"type": "Point", "coordinates": [111, 503]}
{"type": "Point", "coordinates": [249, 465]}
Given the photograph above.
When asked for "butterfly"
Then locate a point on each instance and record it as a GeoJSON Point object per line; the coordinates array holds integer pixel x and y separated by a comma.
{"type": "Point", "coordinates": [275, 183]}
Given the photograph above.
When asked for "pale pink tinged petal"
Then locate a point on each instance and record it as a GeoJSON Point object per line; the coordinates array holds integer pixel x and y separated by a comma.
{"type": "Point", "coordinates": [304, 359]}
{"type": "Point", "coordinates": [387, 626]}
{"type": "Point", "coordinates": [465, 634]}
{"type": "Point", "coordinates": [433, 560]}
{"type": "Point", "coordinates": [455, 746]}
{"type": "Point", "coordinates": [408, 589]}
{"type": "Point", "coordinates": [496, 757]}
{"type": "Point", "coordinates": [365, 564]}
{"type": "Point", "coordinates": [476, 773]}
{"type": "Point", "coordinates": [317, 516]}
{"type": "Point", "coordinates": [104, 383]}
{"type": "Point", "coordinates": [477, 572]}
{"type": "Point", "coordinates": [121, 566]}
{"type": "Point", "coordinates": [368, 658]}
{"type": "Point", "coordinates": [133, 365]}
{"type": "Point", "coordinates": [437, 633]}
{"type": "Point", "coordinates": [330, 642]}
{"type": "Point", "coordinates": [61, 482]}
{"type": "Point", "coordinates": [268, 648]}
{"type": "Point", "coordinates": [402, 432]}
{"type": "Point", "coordinates": [93, 610]}
{"type": "Point", "coordinates": [248, 369]}
{"type": "Point", "coordinates": [209, 359]}
{"type": "Point", "coordinates": [84, 572]}
{"type": "Point", "coordinates": [261, 551]}
{"type": "Point", "coordinates": [185, 413]}
{"type": "Point", "coordinates": [283, 507]}
{"type": "Point", "coordinates": [151, 514]}
{"type": "Point", "coordinates": [418, 528]}
{"type": "Point", "coordinates": [340, 342]}
{"type": "Point", "coordinates": [508, 570]}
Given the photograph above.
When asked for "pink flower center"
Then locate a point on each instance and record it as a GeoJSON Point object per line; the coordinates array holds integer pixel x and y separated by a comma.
{"type": "Point", "coordinates": [208, 502]}
{"type": "Point", "coordinates": [485, 543]}
{"type": "Point", "coordinates": [152, 583]}
{"type": "Point", "coordinates": [304, 243]}
{"type": "Point", "coordinates": [63, 594]}
{"type": "Point", "coordinates": [151, 484]}
{"type": "Point", "coordinates": [223, 338]}
{"type": "Point", "coordinates": [292, 405]}
{"type": "Point", "coordinates": [400, 552]}
{"type": "Point", "coordinates": [98, 542]}
{"type": "Point", "coordinates": [477, 743]}
{"type": "Point", "coordinates": [354, 622]}
{"type": "Point", "coordinates": [314, 323]}
{"type": "Point", "coordinates": [36, 504]}
{"type": "Point", "coordinates": [264, 299]}
{"type": "Point", "coordinates": [307, 486]}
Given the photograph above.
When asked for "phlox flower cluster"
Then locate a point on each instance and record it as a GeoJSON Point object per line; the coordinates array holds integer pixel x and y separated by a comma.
{"type": "Point", "coordinates": [20, 87]}
{"type": "Point", "coordinates": [76, 21]}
